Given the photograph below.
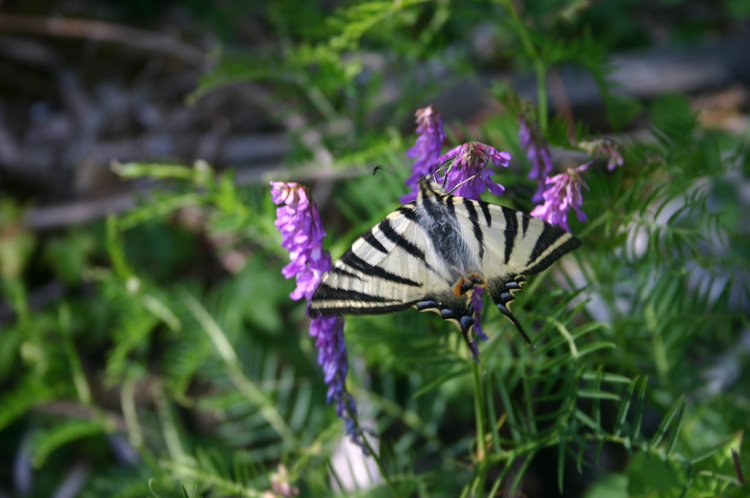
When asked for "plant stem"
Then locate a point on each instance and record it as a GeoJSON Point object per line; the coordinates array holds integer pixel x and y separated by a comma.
{"type": "Point", "coordinates": [383, 472]}
{"type": "Point", "coordinates": [539, 67]}
{"type": "Point", "coordinates": [541, 93]}
{"type": "Point", "coordinates": [478, 413]}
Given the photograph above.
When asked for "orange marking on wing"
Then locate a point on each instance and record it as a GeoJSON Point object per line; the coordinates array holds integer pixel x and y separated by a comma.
{"type": "Point", "coordinates": [457, 286]}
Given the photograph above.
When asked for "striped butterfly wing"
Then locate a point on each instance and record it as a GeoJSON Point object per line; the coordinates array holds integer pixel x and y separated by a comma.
{"type": "Point", "coordinates": [393, 267]}
{"type": "Point", "coordinates": [384, 271]}
{"type": "Point", "coordinates": [512, 244]}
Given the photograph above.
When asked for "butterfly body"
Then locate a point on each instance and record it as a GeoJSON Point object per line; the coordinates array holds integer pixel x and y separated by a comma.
{"type": "Point", "coordinates": [432, 252]}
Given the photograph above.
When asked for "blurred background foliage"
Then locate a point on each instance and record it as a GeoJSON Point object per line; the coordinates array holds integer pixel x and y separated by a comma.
{"type": "Point", "coordinates": [148, 347]}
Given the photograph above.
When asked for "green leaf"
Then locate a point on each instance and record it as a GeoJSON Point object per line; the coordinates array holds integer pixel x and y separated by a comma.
{"type": "Point", "coordinates": [520, 473]}
{"type": "Point", "coordinates": [26, 395]}
{"type": "Point", "coordinates": [610, 486]}
{"type": "Point", "coordinates": [607, 377]}
{"type": "Point", "coordinates": [513, 424]}
{"type": "Point", "coordinates": [592, 394]}
{"type": "Point", "coordinates": [67, 255]}
{"type": "Point", "coordinates": [639, 408]}
{"type": "Point", "coordinates": [648, 476]}
{"type": "Point", "coordinates": [676, 431]}
{"type": "Point", "coordinates": [662, 430]}
{"type": "Point", "coordinates": [491, 416]}
{"type": "Point", "coordinates": [622, 109]}
{"type": "Point", "coordinates": [622, 413]}
{"type": "Point", "coordinates": [673, 115]}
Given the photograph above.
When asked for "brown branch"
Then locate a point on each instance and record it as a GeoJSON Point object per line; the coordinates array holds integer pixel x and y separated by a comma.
{"type": "Point", "coordinates": [74, 213]}
{"type": "Point", "coordinates": [102, 31]}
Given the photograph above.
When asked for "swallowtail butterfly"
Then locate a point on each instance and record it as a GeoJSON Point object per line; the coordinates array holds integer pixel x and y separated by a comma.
{"type": "Point", "coordinates": [430, 253]}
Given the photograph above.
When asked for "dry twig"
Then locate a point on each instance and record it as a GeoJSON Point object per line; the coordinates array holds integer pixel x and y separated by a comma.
{"type": "Point", "coordinates": [102, 31]}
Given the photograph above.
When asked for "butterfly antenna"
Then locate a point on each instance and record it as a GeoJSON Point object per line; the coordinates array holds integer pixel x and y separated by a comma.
{"type": "Point", "coordinates": [444, 173]}
{"type": "Point", "coordinates": [381, 168]}
{"type": "Point", "coordinates": [434, 176]}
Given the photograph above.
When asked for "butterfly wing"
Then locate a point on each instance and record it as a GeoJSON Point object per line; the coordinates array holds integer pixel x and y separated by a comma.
{"type": "Point", "coordinates": [390, 268]}
{"type": "Point", "coordinates": [393, 267]}
{"type": "Point", "coordinates": [510, 244]}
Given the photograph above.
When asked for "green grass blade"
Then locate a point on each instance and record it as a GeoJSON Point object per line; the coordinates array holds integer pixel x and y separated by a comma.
{"type": "Point", "coordinates": [662, 430]}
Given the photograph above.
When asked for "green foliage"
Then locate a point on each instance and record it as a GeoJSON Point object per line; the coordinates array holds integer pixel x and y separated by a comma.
{"type": "Point", "coordinates": [176, 333]}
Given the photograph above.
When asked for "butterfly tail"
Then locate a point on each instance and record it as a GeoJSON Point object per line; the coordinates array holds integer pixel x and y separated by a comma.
{"type": "Point", "coordinates": [502, 294]}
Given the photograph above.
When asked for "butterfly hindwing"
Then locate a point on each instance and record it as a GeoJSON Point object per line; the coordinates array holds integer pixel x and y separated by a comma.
{"type": "Point", "coordinates": [515, 244]}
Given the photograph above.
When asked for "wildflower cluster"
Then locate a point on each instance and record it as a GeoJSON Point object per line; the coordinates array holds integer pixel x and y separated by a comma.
{"type": "Point", "coordinates": [564, 193]}
{"type": "Point", "coordinates": [302, 234]}
{"type": "Point", "coordinates": [469, 174]}
{"type": "Point", "coordinates": [477, 301]}
{"type": "Point", "coordinates": [605, 147]}
{"type": "Point", "coordinates": [427, 149]}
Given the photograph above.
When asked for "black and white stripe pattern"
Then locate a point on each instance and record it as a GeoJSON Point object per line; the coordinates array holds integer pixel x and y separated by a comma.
{"type": "Point", "coordinates": [419, 253]}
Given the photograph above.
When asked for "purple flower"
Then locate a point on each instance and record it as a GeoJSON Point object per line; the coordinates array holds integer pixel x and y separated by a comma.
{"type": "Point", "coordinates": [329, 334]}
{"type": "Point", "coordinates": [469, 171]}
{"type": "Point", "coordinates": [564, 192]}
{"type": "Point", "coordinates": [477, 302]}
{"type": "Point", "coordinates": [606, 147]}
{"type": "Point", "coordinates": [302, 234]}
{"type": "Point", "coordinates": [426, 150]}
{"type": "Point", "coordinates": [537, 152]}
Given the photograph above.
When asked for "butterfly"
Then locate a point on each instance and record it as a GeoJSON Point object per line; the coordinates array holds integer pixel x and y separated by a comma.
{"type": "Point", "coordinates": [431, 253]}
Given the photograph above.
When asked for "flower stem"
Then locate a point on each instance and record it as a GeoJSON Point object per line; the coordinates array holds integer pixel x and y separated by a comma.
{"type": "Point", "coordinates": [383, 472]}
{"type": "Point", "coordinates": [478, 413]}
{"type": "Point", "coordinates": [541, 91]}
{"type": "Point", "coordinates": [539, 67]}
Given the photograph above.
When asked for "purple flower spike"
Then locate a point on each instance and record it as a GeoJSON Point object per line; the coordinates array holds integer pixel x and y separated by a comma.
{"type": "Point", "coordinates": [427, 149]}
{"type": "Point", "coordinates": [329, 334]}
{"type": "Point", "coordinates": [469, 170]}
{"type": "Point", "coordinates": [563, 193]}
{"type": "Point", "coordinates": [607, 148]}
{"type": "Point", "coordinates": [302, 234]}
{"type": "Point", "coordinates": [537, 152]}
